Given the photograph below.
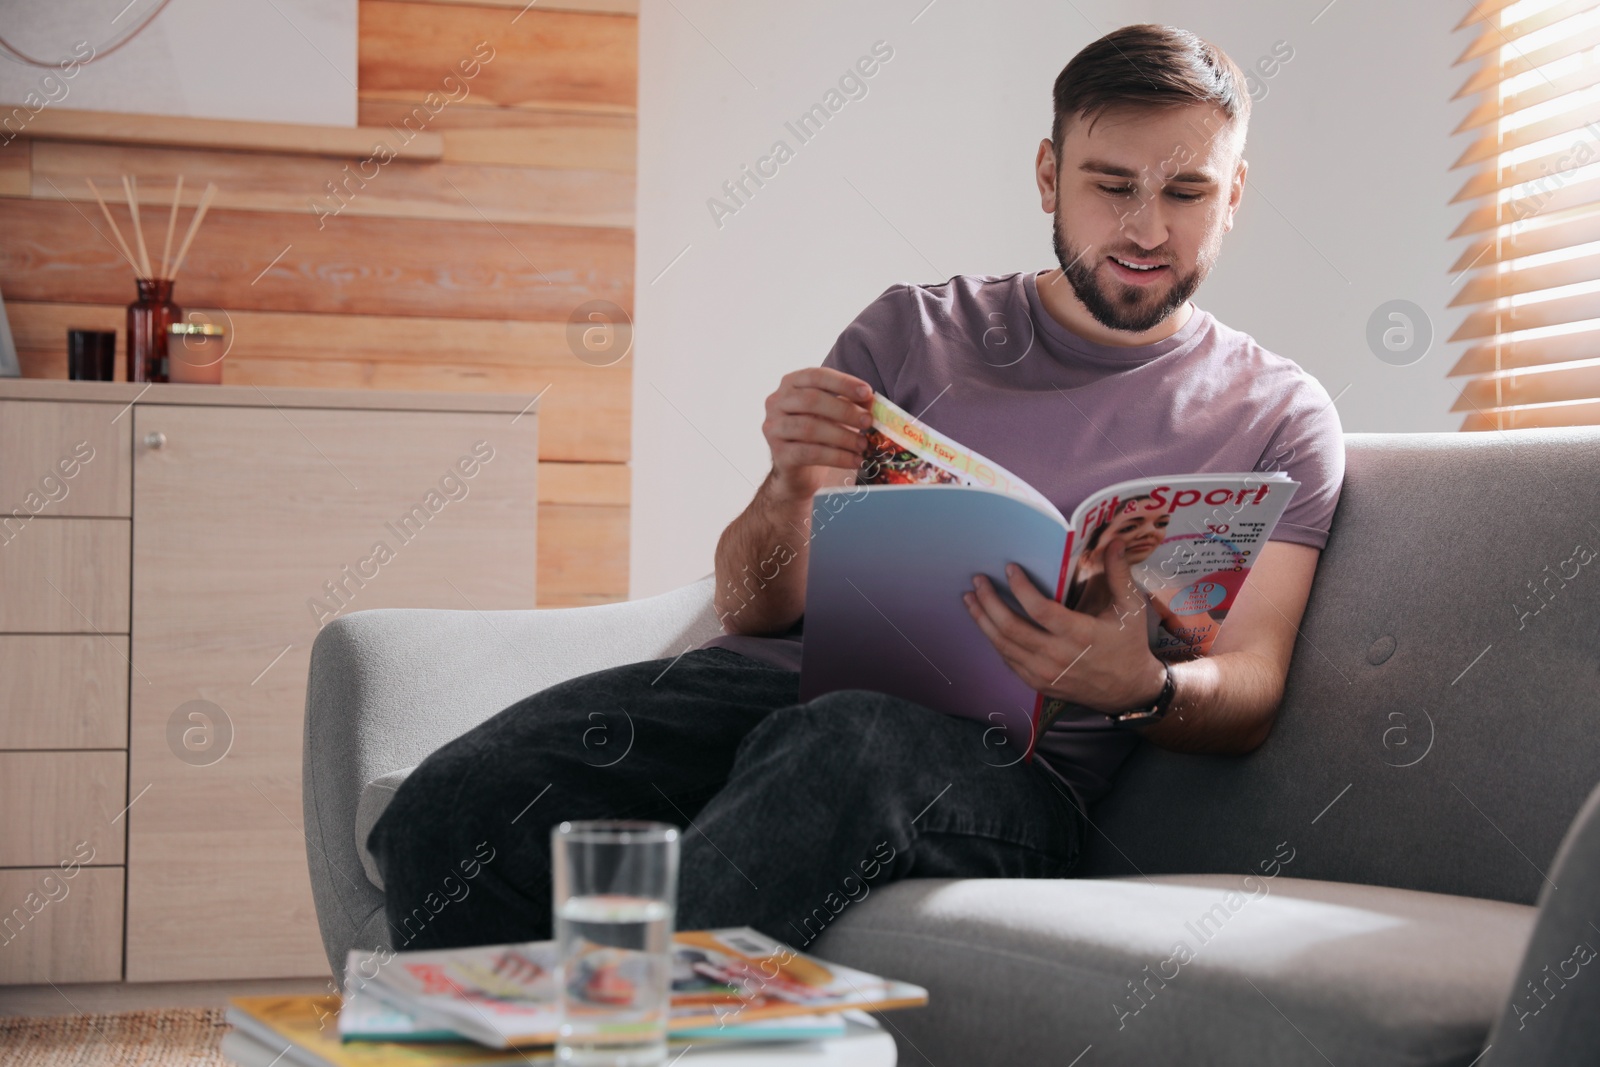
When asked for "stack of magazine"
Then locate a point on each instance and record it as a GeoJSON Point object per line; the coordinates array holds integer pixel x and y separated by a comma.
{"type": "Point", "coordinates": [497, 1004]}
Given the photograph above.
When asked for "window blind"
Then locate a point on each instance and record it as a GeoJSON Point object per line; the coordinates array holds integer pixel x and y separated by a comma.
{"type": "Point", "coordinates": [1530, 271]}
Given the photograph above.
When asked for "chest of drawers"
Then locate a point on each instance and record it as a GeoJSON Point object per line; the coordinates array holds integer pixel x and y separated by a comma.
{"type": "Point", "coordinates": [167, 555]}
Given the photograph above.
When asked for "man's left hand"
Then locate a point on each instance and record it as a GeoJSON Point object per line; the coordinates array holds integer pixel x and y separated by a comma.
{"type": "Point", "coordinates": [1099, 661]}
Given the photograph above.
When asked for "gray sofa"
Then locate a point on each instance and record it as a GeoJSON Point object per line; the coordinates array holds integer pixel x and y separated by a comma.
{"type": "Point", "coordinates": [1376, 885]}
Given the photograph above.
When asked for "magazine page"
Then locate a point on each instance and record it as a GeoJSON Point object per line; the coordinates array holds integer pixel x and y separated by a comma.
{"type": "Point", "coordinates": [721, 977]}
{"type": "Point", "coordinates": [904, 451]}
{"type": "Point", "coordinates": [501, 995]}
{"type": "Point", "coordinates": [506, 995]}
{"type": "Point", "coordinates": [1191, 540]}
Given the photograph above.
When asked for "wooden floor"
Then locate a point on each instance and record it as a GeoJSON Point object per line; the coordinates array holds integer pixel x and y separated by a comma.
{"type": "Point", "coordinates": [110, 997]}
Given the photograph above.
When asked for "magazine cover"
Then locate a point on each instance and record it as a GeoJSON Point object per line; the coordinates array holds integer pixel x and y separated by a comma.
{"type": "Point", "coordinates": [891, 556]}
{"type": "Point", "coordinates": [1191, 541]}
{"type": "Point", "coordinates": [300, 1032]}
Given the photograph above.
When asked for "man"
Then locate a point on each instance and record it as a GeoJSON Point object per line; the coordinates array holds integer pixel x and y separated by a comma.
{"type": "Point", "coordinates": [1072, 378]}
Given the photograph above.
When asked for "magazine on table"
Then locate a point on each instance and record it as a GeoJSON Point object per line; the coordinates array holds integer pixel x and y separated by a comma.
{"type": "Point", "coordinates": [891, 555]}
{"type": "Point", "coordinates": [729, 984]}
{"type": "Point", "coordinates": [301, 1031]}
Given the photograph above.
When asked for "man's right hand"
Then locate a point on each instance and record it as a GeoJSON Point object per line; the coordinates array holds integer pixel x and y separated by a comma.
{"type": "Point", "coordinates": [813, 428]}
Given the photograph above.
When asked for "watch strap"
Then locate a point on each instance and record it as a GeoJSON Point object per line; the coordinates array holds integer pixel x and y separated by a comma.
{"type": "Point", "coordinates": [1157, 710]}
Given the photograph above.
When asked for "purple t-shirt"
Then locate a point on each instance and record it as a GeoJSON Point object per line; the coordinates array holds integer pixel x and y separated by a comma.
{"type": "Point", "coordinates": [980, 360]}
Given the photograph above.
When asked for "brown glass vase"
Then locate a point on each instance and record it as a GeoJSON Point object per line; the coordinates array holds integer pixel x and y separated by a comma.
{"type": "Point", "coordinates": [149, 319]}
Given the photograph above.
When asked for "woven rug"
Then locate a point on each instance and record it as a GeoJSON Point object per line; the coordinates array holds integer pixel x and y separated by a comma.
{"type": "Point", "coordinates": [168, 1037]}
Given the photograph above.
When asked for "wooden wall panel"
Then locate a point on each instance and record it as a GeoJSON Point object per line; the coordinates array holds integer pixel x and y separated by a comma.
{"type": "Point", "coordinates": [583, 555]}
{"type": "Point", "coordinates": [539, 56]}
{"type": "Point", "coordinates": [582, 483]}
{"type": "Point", "coordinates": [353, 265]}
{"type": "Point", "coordinates": [14, 168]}
{"type": "Point", "coordinates": [550, 145]}
{"type": "Point", "coordinates": [515, 136]}
{"type": "Point", "coordinates": [586, 408]}
{"type": "Point", "coordinates": [40, 333]}
{"type": "Point", "coordinates": [583, 532]}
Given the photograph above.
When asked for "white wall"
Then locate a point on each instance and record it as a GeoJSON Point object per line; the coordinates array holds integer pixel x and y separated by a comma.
{"type": "Point", "coordinates": [283, 61]}
{"type": "Point", "coordinates": [931, 174]}
{"type": "Point", "coordinates": [1348, 203]}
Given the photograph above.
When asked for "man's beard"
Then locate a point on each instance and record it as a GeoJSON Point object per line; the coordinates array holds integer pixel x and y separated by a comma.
{"type": "Point", "coordinates": [1132, 310]}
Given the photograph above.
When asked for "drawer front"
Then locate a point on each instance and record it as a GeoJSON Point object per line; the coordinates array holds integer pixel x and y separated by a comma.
{"type": "Point", "coordinates": [63, 691]}
{"type": "Point", "coordinates": [66, 576]}
{"type": "Point", "coordinates": [62, 459]}
{"type": "Point", "coordinates": [60, 924]}
{"type": "Point", "coordinates": [59, 806]}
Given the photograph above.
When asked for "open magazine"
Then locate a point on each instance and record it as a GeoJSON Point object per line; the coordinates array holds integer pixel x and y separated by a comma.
{"type": "Point", "coordinates": [891, 555]}
{"type": "Point", "coordinates": [735, 983]}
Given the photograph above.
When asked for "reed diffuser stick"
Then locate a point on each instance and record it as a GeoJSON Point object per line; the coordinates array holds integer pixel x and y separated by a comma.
{"type": "Point", "coordinates": [194, 225]}
{"type": "Point", "coordinates": [172, 223]}
{"type": "Point", "coordinates": [115, 230]}
{"type": "Point", "coordinates": [130, 187]}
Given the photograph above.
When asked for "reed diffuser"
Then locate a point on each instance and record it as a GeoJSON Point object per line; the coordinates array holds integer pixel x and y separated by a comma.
{"type": "Point", "coordinates": [151, 316]}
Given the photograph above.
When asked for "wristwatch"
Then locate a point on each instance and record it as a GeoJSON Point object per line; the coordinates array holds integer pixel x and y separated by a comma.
{"type": "Point", "coordinates": [1156, 711]}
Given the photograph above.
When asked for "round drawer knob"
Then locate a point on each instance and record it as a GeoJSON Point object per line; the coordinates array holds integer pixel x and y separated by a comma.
{"type": "Point", "coordinates": [155, 440]}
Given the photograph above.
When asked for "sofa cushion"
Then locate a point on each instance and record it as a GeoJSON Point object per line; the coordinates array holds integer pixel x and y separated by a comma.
{"type": "Point", "coordinates": [375, 797]}
{"type": "Point", "coordinates": [1201, 969]}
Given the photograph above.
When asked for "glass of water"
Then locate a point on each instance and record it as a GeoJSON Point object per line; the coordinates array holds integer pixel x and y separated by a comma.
{"type": "Point", "coordinates": [615, 897]}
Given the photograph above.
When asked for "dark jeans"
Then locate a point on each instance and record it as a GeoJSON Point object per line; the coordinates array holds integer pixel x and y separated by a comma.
{"type": "Point", "coordinates": [790, 811]}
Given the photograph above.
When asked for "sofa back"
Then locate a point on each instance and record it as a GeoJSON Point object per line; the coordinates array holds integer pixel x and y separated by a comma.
{"type": "Point", "coordinates": [1441, 725]}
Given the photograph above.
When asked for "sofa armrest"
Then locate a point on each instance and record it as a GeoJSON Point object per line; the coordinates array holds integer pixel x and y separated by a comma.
{"type": "Point", "coordinates": [389, 686]}
{"type": "Point", "coordinates": [1553, 1014]}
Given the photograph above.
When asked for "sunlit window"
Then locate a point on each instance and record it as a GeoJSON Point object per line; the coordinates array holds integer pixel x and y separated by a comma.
{"type": "Point", "coordinates": [1530, 271]}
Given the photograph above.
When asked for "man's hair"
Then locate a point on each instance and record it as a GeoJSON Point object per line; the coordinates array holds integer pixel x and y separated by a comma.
{"type": "Point", "coordinates": [1147, 66]}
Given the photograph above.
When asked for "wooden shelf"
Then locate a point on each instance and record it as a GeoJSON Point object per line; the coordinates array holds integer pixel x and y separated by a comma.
{"type": "Point", "coordinates": [250, 396]}
{"type": "Point", "coordinates": [510, 112]}
{"type": "Point", "coordinates": [110, 127]}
